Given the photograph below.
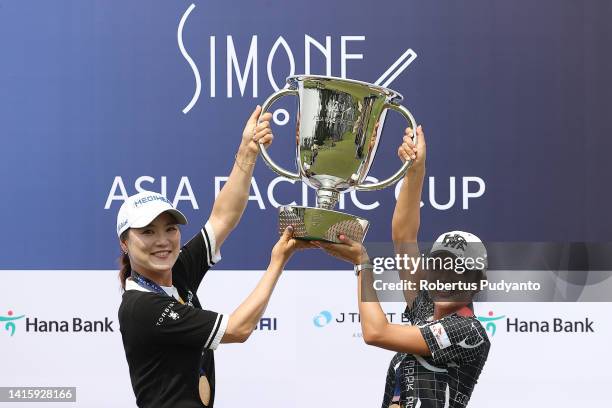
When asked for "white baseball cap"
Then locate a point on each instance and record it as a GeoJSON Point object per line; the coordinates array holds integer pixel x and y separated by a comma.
{"type": "Point", "coordinates": [141, 209]}
{"type": "Point", "coordinates": [460, 244]}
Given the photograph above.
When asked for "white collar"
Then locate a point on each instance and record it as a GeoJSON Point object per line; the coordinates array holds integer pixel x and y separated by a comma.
{"type": "Point", "coordinates": [170, 290]}
{"type": "Point", "coordinates": [131, 285]}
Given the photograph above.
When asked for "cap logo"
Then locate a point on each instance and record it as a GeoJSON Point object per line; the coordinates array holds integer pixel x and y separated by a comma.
{"type": "Point", "coordinates": [454, 241]}
{"type": "Point", "coordinates": [120, 226]}
{"type": "Point", "coordinates": [148, 199]}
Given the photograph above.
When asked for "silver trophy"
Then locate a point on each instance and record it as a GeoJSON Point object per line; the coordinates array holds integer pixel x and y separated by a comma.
{"type": "Point", "coordinates": [339, 123]}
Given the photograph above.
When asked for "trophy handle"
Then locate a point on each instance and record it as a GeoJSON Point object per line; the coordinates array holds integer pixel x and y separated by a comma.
{"type": "Point", "coordinates": [400, 173]}
{"type": "Point", "coordinates": [263, 150]}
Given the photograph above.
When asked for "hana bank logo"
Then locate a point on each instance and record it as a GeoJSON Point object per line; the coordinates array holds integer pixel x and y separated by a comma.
{"type": "Point", "coordinates": [322, 319]}
{"type": "Point", "coordinates": [10, 325]}
{"type": "Point", "coordinates": [490, 320]}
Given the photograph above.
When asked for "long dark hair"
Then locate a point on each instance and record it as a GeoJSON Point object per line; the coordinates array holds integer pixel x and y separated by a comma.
{"type": "Point", "coordinates": [125, 268]}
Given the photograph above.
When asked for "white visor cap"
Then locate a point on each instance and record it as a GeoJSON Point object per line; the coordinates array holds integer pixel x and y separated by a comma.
{"type": "Point", "coordinates": [141, 209]}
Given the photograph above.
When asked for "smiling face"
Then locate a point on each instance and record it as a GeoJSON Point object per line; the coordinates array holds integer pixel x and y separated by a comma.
{"type": "Point", "coordinates": [154, 249]}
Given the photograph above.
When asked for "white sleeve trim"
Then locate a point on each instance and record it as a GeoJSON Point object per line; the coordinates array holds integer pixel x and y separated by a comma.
{"type": "Point", "coordinates": [217, 333]}
{"type": "Point", "coordinates": [213, 254]}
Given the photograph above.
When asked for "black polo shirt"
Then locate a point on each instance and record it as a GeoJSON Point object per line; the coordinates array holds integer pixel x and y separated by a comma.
{"type": "Point", "coordinates": [168, 338]}
{"type": "Point", "coordinates": [459, 348]}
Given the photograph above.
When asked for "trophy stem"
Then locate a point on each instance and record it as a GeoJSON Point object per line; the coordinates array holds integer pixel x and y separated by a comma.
{"type": "Point", "coordinates": [327, 199]}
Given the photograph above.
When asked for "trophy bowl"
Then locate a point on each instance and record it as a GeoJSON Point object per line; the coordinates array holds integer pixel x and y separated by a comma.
{"type": "Point", "coordinates": [338, 128]}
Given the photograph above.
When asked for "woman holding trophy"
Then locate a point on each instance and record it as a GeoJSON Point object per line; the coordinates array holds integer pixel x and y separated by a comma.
{"type": "Point", "coordinates": [168, 338]}
{"type": "Point", "coordinates": [441, 353]}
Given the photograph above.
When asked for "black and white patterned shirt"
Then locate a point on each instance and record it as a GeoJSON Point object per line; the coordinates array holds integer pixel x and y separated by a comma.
{"type": "Point", "coordinates": [459, 348]}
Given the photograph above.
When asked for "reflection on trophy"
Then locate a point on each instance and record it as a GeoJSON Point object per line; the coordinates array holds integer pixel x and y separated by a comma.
{"type": "Point", "coordinates": [339, 123]}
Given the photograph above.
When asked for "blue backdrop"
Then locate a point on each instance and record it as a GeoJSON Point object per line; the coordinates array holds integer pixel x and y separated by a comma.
{"type": "Point", "coordinates": [513, 97]}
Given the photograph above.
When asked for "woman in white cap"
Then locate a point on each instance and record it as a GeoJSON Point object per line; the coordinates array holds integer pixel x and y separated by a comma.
{"type": "Point", "coordinates": [441, 353]}
{"type": "Point", "coordinates": [168, 338]}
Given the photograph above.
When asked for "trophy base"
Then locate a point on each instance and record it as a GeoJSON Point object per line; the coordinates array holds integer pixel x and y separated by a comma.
{"type": "Point", "coordinates": [318, 224]}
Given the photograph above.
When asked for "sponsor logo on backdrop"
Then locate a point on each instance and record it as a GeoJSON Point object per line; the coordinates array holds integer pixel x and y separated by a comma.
{"type": "Point", "coordinates": [554, 325]}
{"type": "Point", "coordinates": [9, 321]}
{"type": "Point", "coordinates": [490, 320]}
{"type": "Point", "coordinates": [322, 319]}
{"type": "Point", "coordinates": [328, 319]}
{"type": "Point", "coordinates": [338, 49]}
{"type": "Point", "coordinates": [73, 325]}
{"type": "Point", "coordinates": [551, 325]}
{"type": "Point", "coordinates": [15, 324]}
{"type": "Point", "coordinates": [267, 324]}
{"type": "Point", "coordinates": [80, 325]}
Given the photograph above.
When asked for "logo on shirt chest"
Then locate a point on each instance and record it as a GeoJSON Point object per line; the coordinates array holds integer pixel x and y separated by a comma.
{"type": "Point", "coordinates": [167, 312]}
{"type": "Point", "coordinates": [190, 298]}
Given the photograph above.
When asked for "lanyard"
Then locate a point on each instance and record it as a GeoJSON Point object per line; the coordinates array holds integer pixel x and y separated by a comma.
{"type": "Point", "coordinates": [149, 284]}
